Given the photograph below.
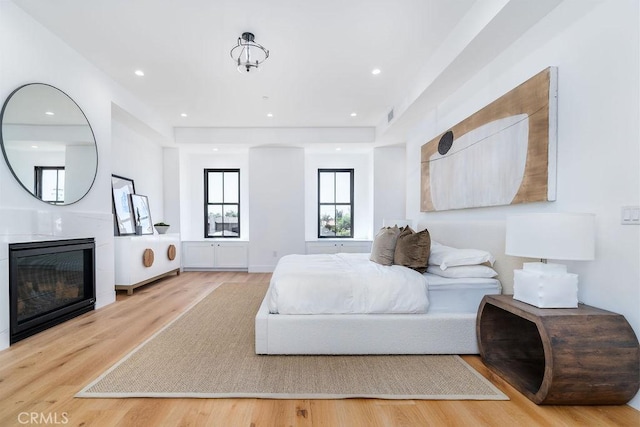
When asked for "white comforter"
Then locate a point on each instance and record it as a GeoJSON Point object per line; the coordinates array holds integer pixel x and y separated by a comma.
{"type": "Point", "coordinates": [344, 283]}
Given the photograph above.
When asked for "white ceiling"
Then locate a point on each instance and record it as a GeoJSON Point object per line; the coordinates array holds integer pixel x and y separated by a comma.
{"type": "Point", "coordinates": [321, 53]}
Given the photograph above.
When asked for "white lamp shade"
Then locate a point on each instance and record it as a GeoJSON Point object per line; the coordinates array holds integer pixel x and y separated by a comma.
{"type": "Point", "coordinates": [559, 236]}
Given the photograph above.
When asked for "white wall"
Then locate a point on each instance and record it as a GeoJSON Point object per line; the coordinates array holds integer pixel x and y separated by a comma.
{"type": "Point", "coordinates": [389, 183]}
{"type": "Point", "coordinates": [192, 166]}
{"type": "Point", "coordinates": [139, 158]}
{"type": "Point", "coordinates": [362, 164]}
{"type": "Point", "coordinates": [598, 138]}
{"type": "Point", "coordinates": [171, 189]}
{"type": "Point", "coordinates": [276, 214]}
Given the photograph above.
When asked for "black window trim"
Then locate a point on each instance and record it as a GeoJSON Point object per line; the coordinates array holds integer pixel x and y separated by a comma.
{"type": "Point", "coordinates": [207, 204]}
{"type": "Point", "coordinates": [37, 179]}
{"type": "Point", "coordinates": [351, 192]}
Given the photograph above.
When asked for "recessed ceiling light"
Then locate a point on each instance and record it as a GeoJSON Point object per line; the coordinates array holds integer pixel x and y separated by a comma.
{"type": "Point", "coordinates": [269, 114]}
{"type": "Point", "coordinates": [338, 149]}
{"type": "Point", "coordinates": [139, 73]}
{"type": "Point", "coordinates": [354, 114]}
{"type": "Point", "coordinates": [49, 113]}
{"type": "Point", "coordinates": [34, 146]}
{"type": "Point", "coordinates": [375, 71]}
{"type": "Point", "coordinates": [183, 114]}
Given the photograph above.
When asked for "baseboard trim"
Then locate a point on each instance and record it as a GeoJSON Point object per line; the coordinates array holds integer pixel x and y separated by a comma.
{"type": "Point", "coordinates": [261, 268]}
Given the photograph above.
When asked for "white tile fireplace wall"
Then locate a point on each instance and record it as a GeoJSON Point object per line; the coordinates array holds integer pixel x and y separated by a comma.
{"type": "Point", "coordinates": [29, 225]}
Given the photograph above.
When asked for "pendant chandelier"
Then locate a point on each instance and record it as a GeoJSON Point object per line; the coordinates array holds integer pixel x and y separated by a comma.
{"type": "Point", "coordinates": [248, 54]}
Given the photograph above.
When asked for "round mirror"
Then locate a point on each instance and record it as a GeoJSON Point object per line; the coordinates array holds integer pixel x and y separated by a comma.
{"type": "Point", "coordinates": [48, 144]}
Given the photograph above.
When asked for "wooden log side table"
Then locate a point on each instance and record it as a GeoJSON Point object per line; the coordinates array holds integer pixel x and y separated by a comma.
{"type": "Point", "coordinates": [559, 356]}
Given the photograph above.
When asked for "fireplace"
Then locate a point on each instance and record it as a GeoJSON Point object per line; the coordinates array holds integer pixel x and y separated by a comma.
{"type": "Point", "coordinates": [49, 282]}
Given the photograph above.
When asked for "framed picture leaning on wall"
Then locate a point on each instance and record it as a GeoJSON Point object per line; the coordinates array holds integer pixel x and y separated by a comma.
{"type": "Point", "coordinates": [122, 188]}
{"type": "Point", "coordinates": [141, 213]}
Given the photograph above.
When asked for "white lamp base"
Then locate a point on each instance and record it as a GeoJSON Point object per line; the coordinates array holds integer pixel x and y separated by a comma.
{"type": "Point", "coordinates": [546, 286]}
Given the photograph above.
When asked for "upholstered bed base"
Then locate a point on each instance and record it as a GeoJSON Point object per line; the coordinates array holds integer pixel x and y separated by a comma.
{"type": "Point", "coordinates": [436, 333]}
{"type": "Point", "coordinates": [430, 333]}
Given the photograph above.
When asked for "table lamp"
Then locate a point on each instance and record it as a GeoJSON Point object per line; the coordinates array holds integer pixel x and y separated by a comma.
{"type": "Point", "coordinates": [557, 236]}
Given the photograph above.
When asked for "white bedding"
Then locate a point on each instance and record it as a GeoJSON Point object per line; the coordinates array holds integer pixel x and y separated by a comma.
{"type": "Point", "coordinates": [344, 283]}
{"type": "Point", "coordinates": [462, 295]}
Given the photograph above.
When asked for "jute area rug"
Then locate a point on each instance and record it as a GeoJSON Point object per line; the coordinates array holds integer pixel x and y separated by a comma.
{"type": "Point", "coordinates": [208, 352]}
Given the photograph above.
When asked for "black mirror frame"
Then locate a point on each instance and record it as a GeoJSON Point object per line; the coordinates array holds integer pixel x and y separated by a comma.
{"type": "Point", "coordinates": [6, 157]}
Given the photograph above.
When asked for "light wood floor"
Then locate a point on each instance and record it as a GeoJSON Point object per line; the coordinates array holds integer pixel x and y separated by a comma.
{"type": "Point", "coordinates": [40, 375]}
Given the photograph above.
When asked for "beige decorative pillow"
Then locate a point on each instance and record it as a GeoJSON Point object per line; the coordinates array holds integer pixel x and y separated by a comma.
{"type": "Point", "coordinates": [384, 245]}
{"type": "Point", "coordinates": [412, 249]}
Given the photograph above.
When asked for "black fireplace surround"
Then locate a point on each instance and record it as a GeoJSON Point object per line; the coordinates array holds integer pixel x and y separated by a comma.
{"type": "Point", "coordinates": [49, 282]}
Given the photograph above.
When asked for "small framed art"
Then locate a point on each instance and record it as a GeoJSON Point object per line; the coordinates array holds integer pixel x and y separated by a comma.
{"type": "Point", "coordinates": [122, 188]}
{"type": "Point", "coordinates": [141, 214]}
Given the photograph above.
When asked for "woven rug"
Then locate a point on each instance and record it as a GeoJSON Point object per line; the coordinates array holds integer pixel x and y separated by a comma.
{"type": "Point", "coordinates": [208, 352]}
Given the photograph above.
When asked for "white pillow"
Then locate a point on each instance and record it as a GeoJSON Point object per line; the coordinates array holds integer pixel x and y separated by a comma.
{"type": "Point", "coordinates": [463, 271]}
{"type": "Point", "coordinates": [446, 256]}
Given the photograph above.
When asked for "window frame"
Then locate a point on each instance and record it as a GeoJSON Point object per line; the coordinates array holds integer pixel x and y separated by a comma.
{"type": "Point", "coordinates": [37, 180]}
{"type": "Point", "coordinates": [351, 172]}
{"type": "Point", "coordinates": [222, 204]}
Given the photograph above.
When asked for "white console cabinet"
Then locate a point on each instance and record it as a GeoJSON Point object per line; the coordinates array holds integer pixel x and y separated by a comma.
{"type": "Point", "coordinates": [143, 259]}
{"type": "Point", "coordinates": [215, 255]}
{"type": "Point", "coordinates": [335, 246]}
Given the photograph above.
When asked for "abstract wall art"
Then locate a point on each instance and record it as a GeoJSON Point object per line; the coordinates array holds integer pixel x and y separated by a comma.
{"type": "Point", "coordinates": [501, 155]}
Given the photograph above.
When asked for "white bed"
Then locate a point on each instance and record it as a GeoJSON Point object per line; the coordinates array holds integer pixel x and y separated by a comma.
{"type": "Point", "coordinates": [344, 283]}
{"type": "Point", "coordinates": [448, 326]}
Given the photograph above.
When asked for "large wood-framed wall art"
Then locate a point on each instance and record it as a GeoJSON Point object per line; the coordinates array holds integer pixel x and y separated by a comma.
{"type": "Point", "coordinates": [501, 155]}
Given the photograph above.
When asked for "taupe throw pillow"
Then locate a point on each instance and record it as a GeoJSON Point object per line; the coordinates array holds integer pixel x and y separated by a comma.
{"type": "Point", "coordinates": [412, 249]}
{"type": "Point", "coordinates": [384, 245]}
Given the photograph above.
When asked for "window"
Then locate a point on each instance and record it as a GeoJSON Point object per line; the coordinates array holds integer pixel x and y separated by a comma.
{"type": "Point", "coordinates": [222, 202]}
{"type": "Point", "coordinates": [335, 202]}
{"type": "Point", "coordinates": [49, 183]}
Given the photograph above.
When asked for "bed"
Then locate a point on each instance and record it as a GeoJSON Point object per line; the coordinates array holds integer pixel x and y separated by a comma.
{"type": "Point", "coordinates": [447, 326]}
